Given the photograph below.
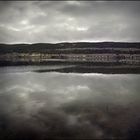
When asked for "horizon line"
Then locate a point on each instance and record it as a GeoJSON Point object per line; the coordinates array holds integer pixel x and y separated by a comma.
{"type": "Point", "coordinates": [70, 42]}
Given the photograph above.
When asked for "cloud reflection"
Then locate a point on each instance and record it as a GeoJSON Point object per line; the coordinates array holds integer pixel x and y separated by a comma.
{"type": "Point", "coordinates": [54, 105]}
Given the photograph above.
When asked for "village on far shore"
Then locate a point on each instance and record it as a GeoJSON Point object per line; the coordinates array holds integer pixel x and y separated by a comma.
{"type": "Point", "coordinates": [102, 54]}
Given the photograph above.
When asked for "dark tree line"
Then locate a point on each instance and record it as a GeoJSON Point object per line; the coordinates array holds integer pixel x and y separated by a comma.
{"type": "Point", "coordinates": [81, 47]}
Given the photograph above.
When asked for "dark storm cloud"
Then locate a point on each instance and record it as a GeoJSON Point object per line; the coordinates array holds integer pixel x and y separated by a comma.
{"type": "Point", "coordinates": [46, 21]}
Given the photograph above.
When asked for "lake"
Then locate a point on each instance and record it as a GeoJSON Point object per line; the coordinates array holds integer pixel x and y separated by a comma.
{"type": "Point", "coordinates": [55, 105]}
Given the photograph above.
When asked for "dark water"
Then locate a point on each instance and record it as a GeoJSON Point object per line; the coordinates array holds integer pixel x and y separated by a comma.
{"type": "Point", "coordinates": [56, 105]}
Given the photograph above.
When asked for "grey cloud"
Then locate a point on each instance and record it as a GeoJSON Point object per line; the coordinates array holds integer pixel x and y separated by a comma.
{"type": "Point", "coordinates": [46, 21]}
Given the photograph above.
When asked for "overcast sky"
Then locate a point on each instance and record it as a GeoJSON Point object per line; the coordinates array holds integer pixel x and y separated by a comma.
{"type": "Point", "coordinates": [52, 21]}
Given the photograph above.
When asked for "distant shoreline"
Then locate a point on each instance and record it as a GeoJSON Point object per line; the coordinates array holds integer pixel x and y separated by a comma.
{"type": "Point", "coordinates": [87, 57]}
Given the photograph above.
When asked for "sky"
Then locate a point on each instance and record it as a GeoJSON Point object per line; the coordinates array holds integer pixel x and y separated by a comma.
{"type": "Point", "coordinates": [69, 21]}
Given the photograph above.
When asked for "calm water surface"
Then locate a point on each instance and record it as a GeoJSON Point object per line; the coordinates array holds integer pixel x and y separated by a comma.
{"type": "Point", "coordinates": [68, 105]}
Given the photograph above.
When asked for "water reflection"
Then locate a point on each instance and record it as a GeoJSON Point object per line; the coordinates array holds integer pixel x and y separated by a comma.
{"type": "Point", "coordinates": [58, 105]}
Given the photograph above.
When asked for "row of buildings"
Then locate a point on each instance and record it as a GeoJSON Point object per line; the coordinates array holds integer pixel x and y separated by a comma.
{"type": "Point", "coordinates": [106, 57]}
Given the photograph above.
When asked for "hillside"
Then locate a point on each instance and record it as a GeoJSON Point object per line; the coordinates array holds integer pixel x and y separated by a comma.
{"type": "Point", "coordinates": [79, 47]}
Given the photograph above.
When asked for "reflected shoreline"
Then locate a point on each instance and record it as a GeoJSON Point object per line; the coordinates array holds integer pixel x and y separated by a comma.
{"type": "Point", "coordinates": [77, 67]}
{"type": "Point", "coordinates": [104, 70]}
